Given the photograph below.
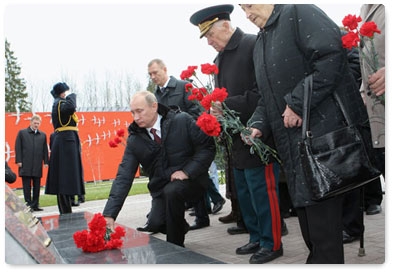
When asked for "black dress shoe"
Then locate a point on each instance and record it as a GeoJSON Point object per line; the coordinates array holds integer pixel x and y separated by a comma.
{"type": "Point", "coordinates": [81, 198]}
{"type": "Point", "coordinates": [237, 230]}
{"type": "Point", "coordinates": [373, 209]}
{"type": "Point", "coordinates": [75, 204]}
{"type": "Point", "coordinates": [145, 228]}
{"type": "Point", "coordinates": [230, 218]}
{"type": "Point", "coordinates": [248, 248]}
{"type": "Point", "coordinates": [218, 206]}
{"type": "Point", "coordinates": [264, 255]}
{"type": "Point", "coordinates": [347, 238]}
{"type": "Point", "coordinates": [198, 225]}
{"type": "Point", "coordinates": [37, 209]}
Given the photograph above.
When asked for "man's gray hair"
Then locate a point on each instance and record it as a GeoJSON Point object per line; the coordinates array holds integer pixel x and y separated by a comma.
{"type": "Point", "coordinates": [149, 96]}
{"type": "Point", "coordinates": [157, 61]}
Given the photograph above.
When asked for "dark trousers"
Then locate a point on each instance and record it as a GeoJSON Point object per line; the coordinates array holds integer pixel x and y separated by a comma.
{"type": "Point", "coordinates": [257, 191]}
{"type": "Point", "coordinates": [64, 203]}
{"type": "Point", "coordinates": [373, 192]}
{"type": "Point", "coordinates": [212, 194]}
{"type": "Point", "coordinates": [167, 213]}
{"type": "Point", "coordinates": [286, 205]}
{"type": "Point", "coordinates": [353, 213]}
{"type": "Point", "coordinates": [231, 191]}
{"type": "Point", "coordinates": [321, 226]}
{"type": "Point", "coordinates": [27, 182]}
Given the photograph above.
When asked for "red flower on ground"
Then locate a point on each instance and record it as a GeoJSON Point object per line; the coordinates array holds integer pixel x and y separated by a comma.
{"type": "Point", "coordinates": [98, 237]}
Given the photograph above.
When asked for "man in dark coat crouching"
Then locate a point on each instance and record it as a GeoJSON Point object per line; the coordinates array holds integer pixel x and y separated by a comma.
{"type": "Point", "coordinates": [175, 153]}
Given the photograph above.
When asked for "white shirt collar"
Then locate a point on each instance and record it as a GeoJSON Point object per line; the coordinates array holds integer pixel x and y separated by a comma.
{"type": "Point", "coordinates": [156, 126]}
{"type": "Point", "coordinates": [167, 82]}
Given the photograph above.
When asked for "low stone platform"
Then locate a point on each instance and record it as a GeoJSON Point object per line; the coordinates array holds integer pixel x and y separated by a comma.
{"type": "Point", "coordinates": [138, 247]}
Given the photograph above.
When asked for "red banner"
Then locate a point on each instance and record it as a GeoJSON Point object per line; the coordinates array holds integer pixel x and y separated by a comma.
{"type": "Point", "coordinates": [96, 129]}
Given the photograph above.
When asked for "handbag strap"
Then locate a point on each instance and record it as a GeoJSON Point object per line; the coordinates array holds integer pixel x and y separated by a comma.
{"type": "Point", "coordinates": [308, 89]}
{"type": "Point", "coordinates": [342, 108]}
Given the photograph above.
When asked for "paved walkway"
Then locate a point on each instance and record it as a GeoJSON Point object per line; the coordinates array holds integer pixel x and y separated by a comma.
{"type": "Point", "coordinates": [215, 242]}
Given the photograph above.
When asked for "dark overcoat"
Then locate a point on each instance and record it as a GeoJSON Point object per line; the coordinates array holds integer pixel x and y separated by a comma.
{"type": "Point", "coordinates": [31, 149]}
{"type": "Point", "coordinates": [184, 147]}
{"type": "Point", "coordinates": [236, 74]}
{"type": "Point", "coordinates": [296, 41]}
{"type": "Point", "coordinates": [175, 96]}
{"type": "Point", "coordinates": [65, 173]}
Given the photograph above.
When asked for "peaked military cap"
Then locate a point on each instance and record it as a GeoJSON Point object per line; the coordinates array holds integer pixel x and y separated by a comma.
{"type": "Point", "coordinates": [206, 17]}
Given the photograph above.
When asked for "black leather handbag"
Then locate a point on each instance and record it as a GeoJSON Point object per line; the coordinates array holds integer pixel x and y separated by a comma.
{"type": "Point", "coordinates": [336, 162]}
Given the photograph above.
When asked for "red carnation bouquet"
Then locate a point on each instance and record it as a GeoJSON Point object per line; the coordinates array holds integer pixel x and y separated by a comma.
{"type": "Point", "coordinates": [362, 37]}
{"type": "Point", "coordinates": [229, 123]}
{"type": "Point", "coordinates": [98, 237]}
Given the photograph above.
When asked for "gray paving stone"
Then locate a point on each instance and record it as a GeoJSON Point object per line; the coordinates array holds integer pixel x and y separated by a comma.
{"type": "Point", "coordinates": [215, 242]}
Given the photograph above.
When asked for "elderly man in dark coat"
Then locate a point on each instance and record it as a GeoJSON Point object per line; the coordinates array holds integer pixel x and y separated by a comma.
{"type": "Point", "coordinates": [256, 183]}
{"type": "Point", "coordinates": [65, 173]}
{"type": "Point", "coordinates": [31, 152]}
{"type": "Point", "coordinates": [175, 153]}
{"type": "Point", "coordinates": [295, 41]}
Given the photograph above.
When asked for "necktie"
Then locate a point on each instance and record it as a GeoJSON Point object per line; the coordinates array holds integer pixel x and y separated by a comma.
{"type": "Point", "coordinates": [161, 90]}
{"type": "Point", "coordinates": [156, 137]}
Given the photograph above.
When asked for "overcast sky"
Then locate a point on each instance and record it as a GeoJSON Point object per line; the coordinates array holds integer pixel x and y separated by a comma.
{"type": "Point", "coordinates": [80, 39]}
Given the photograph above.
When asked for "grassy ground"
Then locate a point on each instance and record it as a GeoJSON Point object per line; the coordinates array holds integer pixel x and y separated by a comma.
{"type": "Point", "coordinates": [94, 191]}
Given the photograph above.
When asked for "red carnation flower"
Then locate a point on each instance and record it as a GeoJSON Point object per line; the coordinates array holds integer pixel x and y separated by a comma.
{"type": "Point", "coordinates": [362, 38]}
{"type": "Point", "coordinates": [188, 87]}
{"type": "Point", "coordinates": [209, 124]}
{"type": "Point", "coordinates": [98, 237]}
{"type": "Point", "coordinates": [351, 21]}
{"type": "Point", "coordinates": [350, 40]}
{"type": "Point", "coordinates": [219, 94]}
{"type": "Point", "coordinates": [209, 69]}
{"type": "Point", "coordinates": [228, 123]}
{"type": "Point", "coordinates": [207, 101]}
{"type": "Point", "coordinates": [189, 72]}
{"type": "Point", "coordinates": [369, 29]}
